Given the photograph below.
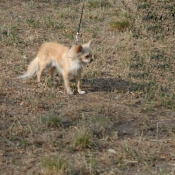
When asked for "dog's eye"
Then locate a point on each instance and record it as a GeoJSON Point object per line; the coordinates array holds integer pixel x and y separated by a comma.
{"type": "Point", "coordinates": [87, 56]}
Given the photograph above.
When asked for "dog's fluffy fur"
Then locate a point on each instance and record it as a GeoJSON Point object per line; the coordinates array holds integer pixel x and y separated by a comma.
{"type": "Point", "coordinates": [67, 61]}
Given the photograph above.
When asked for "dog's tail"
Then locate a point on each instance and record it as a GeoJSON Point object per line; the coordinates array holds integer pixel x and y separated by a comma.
{"type": "Point", "coordinates": [31, 70]}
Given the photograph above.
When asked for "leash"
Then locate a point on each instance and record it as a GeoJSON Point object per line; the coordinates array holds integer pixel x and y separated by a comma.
{"type": "Point", "coordinates": [79, 26]}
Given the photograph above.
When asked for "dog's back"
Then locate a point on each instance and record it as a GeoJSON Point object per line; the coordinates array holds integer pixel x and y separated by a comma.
{"type": "Point", "coordinates": [50, 50]}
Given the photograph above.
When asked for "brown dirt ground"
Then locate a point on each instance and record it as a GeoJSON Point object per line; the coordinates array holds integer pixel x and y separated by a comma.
{"type": "Point", "coordinates": [128, 110]}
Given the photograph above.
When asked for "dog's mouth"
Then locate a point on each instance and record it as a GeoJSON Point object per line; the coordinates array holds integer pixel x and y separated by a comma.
{"type": "Point", "coordinates": [87, 61]}
{"type": "Point", "coordinates": [90, 60]}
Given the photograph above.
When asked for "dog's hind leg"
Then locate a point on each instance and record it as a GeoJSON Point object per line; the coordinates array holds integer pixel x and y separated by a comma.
{"type": "Point", "coordinates": [40, 70]}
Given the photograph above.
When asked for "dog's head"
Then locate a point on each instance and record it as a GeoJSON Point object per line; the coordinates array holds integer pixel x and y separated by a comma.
{"type": "Point", "coordinates": [81, 52]}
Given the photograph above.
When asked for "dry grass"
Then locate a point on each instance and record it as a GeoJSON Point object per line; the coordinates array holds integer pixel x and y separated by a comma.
{"type": "Point", "coordinates": [125, 122]}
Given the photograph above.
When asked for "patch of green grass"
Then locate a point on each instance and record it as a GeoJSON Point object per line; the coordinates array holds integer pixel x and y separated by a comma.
{"type": "Point", "coordinates": [123, 14]}
{"type": "Point", "coordinates": [99, 126]}
{"type": "Point", "coordinates": [167, 100]}
{"type": "Point", "coordinates": [24, 143]}
{"type": "Point", "coordinates": [93, 164]}
{"type": "Point", "coordinates": [67, 13]}
{"type": "Point", "coordinates": [98, 3]}
{"type": "Point", "coordinates": [49, 82]}
{"type": "Point", "coordinates": [83, 139]}
{"type": "Point", "coordinates": [50, 23]}
{"type": "Point", "coordinates": [32, 101]}
{"type": "Point", "coordinates": [53, 165]}
{"type": "Point", "coordinates": [155, 28]}
{"type": "Point", "coordinates": [9, 34]}
{"type": "Point", "coordinates": [150, 16]}
{"type": "Point", "coordinates": [120, 25]}
{"type": "Point", "coordinates": [32, 4]}
{"type": "Point", "coordinates": [61, 25]}
{"type": "Point", "coordinates": [13, 33]}
{"type": "Point", "coordinates": [33, 23]}
{"type": "Point", "coordinates": [93, 32]}
{"type": "Point", "coordinates": [144, 6]}
{"type": "Point", "coordinates": [51, 120]}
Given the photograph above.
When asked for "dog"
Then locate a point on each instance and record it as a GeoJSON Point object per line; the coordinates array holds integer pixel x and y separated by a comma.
{"type": "Point", "coordinates": [67, 61]}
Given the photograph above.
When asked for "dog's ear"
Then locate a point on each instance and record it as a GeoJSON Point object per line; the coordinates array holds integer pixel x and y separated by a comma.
{"type": "Point", "coordinates": [74, 50]}
{"type": "Point", "coordinates": [89, 43]}
{"type": "Point", "coordinates": [79, 49]}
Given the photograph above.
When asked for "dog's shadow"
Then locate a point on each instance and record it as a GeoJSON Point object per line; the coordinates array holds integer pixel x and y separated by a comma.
{"type": "Point", "coordinates": [111, 85]}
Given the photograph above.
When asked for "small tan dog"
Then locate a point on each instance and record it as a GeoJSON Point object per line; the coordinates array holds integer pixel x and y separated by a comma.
{"type": "Point", "coordinates": [67, 61]}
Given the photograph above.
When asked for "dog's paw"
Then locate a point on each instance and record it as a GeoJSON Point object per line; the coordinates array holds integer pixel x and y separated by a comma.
{"type": "Point", "coordinates": [70, 93]}
{"type": "Point", "coordinates": [81, 92]}
{"type": "Point", "coordinates": [40, 85]}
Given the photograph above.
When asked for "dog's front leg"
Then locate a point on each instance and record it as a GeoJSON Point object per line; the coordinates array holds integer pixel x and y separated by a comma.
{"type": "Point", "coordinates": [66, 83]}
{"type": "Point", "coordinates": [78, 78]}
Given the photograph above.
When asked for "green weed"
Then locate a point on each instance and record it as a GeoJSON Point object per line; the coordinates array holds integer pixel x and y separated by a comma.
{"type": "Point", "coordinates": [24, 143]}
{"type": "Point", "coordinates": [32, 4]}
{"type": "Point", "coordinates": [155, 28]}
{"type": "Point", "coordinates": [9, 34]}
{"type": "Point", "coordinates": [32, 101]}
{"type": "Point", "coordinates": [33, 23]}
{"type": "Point", "coordinates": [67, 13]}
{"type": "Point", "coordinates": [83, 139]}
{"type": "Point", "coordinates": [53, 165]}
{"type": "Point", "coordinates": [123, 14]}
{"type": "Point", "coordinates": [51, 120]}
{"type": "Point", "coordinates": [98, 3]}
{"type": "Point", "coordinates": [144, 6]}
{"type": "Point", "coordinates": [99, 127]}
{"type": "Point", "coordinates": [120, 25]}
{"type": "Point", "coordinates": [50, 23]}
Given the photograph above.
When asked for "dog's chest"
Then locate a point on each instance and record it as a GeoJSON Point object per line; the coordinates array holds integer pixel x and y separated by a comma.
{"type": "Point", "coordinates": [74, 67]}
